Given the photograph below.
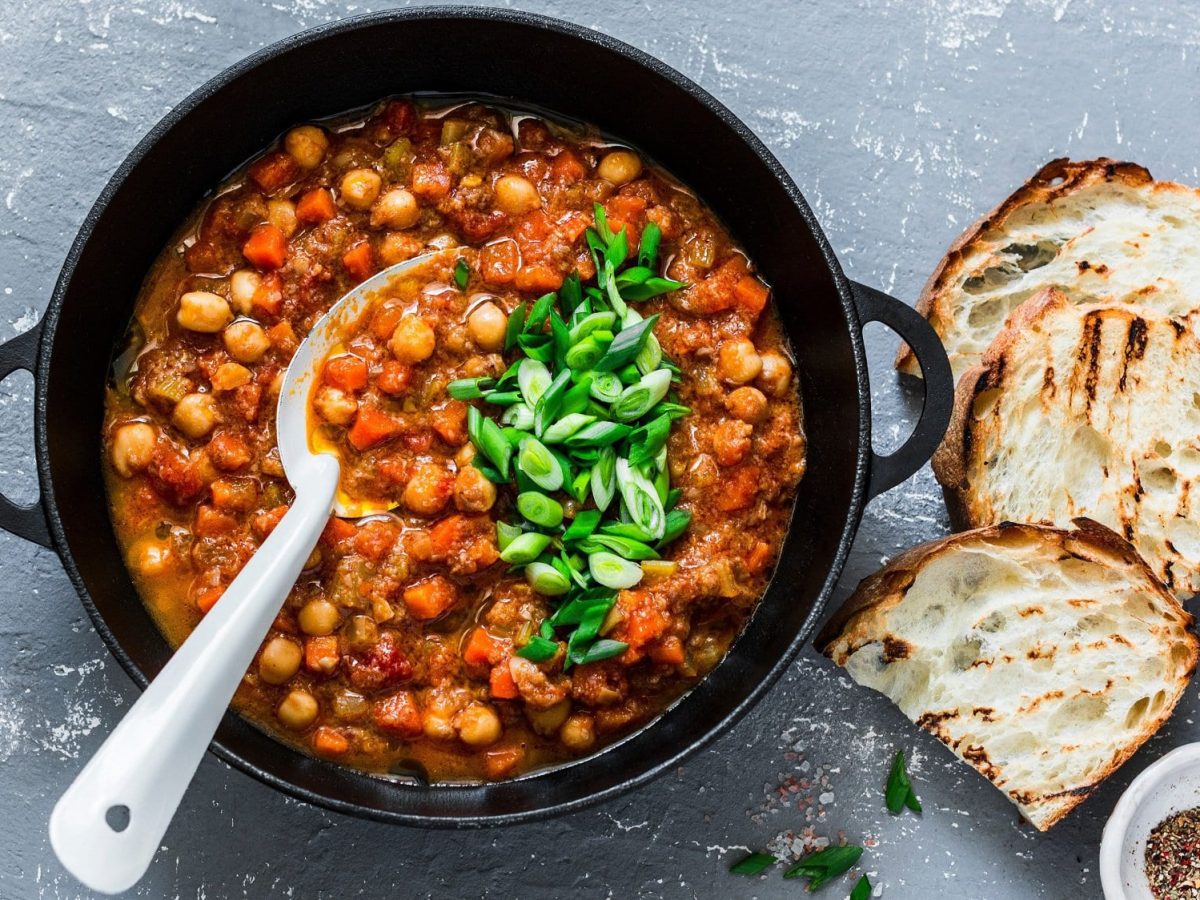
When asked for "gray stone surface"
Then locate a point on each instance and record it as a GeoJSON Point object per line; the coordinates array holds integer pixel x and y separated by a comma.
{"type": "Point", "coordinates": [901, 120]}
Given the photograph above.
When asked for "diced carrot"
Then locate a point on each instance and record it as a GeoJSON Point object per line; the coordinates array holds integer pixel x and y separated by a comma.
{"type": "Point", "coordinates": [385, 319]}
{"type": "Point", "coordinates": [347, 372]}
{"type": "Point", "coordinates": [264, 523]}
{"type": "Point", "coordinates": [395, 377]}
{"type": "Point", "coordinates": [359, 261]}
{"type": "Point", "coordinates": [208, 599]}
{"type": "Point", "coordinates": [266, 248]}
{"type": "Point", "coordinates": [567, 167]}
{"type": "Point", "coordinates": [283, 338]}
{"type": "Point", "coordinates": [338, 530]}
{"type": "Point", "coordinates": [483, 552]}
{"type": "Point", "coordinates": [481, 648]}
{"type": "Point", "coordinates": [501, 761]}
{"type": "Point", "coordinates": [315, 207]}
{"type": "Point", "coordinates": [211, 522]}
{"type": "Point", "coordinates": [739, 489]}
{"type": "Point", "coordinates": [398, 714]}
{"type": "Point", "coordinates": [759, 557]}
{"type": "Point", "coordinates": [626, 208]}
{"type": "Point", "coordinates": [375, 540]}
{"type": "Point", "coordinates": [502, 684]}
{"type": "Point", "coordinates": [430, 598]}
{"type": "Point", "coordinates": [498, 262]}
{"type": "Point", "coordinates": [430, 180]}
{"type": "Point", "coordinates": [450, 422]}
{"type": "Point", "coordinates": [643, 621]}
{"type": "Point", "coordinates": [446, 534]}
{"type": "Point", "coordinates": [371, 427]}
{"type": "Point", "coordinates": [751, 294]}
{"type": "Point", "coordinates": [274, 171]}
{"type": "Point", "coordinates": [321, 654]}
{"type": "Point", "coordinates": [572, 226]}
{"type": "Point", "coordinates": [418, 440]}
{"type": "Point", "coordinates": [668, 651]}
{"type": "Point", "coordinates": [237, 494]}
{"type": "Point", "coordinates": [538, 279]}
{"type": "Point", "coordinates": [268, 296]}
{"type": "Point", "coordinates": [329, 741]}
{"type": "Point", "coordinates": [228, 452]}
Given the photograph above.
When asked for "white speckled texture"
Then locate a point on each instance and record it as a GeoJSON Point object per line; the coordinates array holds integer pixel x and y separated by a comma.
{"type": "Point", "coordinates": [901, 120]}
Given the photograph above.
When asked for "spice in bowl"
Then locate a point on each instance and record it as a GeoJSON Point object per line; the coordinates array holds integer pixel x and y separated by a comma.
{"type": "Point", "coordinates": [1173, 857]}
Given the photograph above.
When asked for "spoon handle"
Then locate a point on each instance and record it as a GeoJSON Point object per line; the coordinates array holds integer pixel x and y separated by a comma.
{"type": "Point", "coordinates": [110, 822]}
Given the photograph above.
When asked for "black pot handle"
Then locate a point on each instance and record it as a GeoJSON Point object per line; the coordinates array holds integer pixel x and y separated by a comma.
{"type": "Point", "coordinates": [876, 306]}
{"type": "Point", "coordinates": [27, 522]}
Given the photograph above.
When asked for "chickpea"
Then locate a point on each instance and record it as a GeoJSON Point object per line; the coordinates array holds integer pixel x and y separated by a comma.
{"type": "Point", "coordinates": [282, 214]}
{"type": "Point", "coordinates": [279, 660]}
{"type": "Point", "coordinates": [478, 725]}
{"type": "Point", "coordinates": [306, 145]}
{"type": "Point", "coordinates": [229, 376]}
{"type": "Point", "coordinates": [314, 559]}
{"type": "Point", "coordinates": [413, 341]}
{"type": "Point", "coordinates": [731, 441]}
{"type": "Point", "coordinates": [298, 710]}
{"type": "Point", "coordinates": [578, 732]}
{"type": "Point", "coordinates": [465, 454]}
{"type": "Point", "coordinates": [397, 209]}
{"type": "Point", "coordinates": [242, 286]}
{"type": "Point", "coordinates": [318, 617]}
{"type": "Point", "coordinates": [150, 557]}
{"type": "Point", "coordinates": [425, 492]}
{"type": "Point", "coordinates": [361, 633]}
{"type": "Point", "coordinates": [133, 448]}
{"type": "Point", "coordinates": [335, 406]}
{"type": "Point", "coordinates": [776, 375]}
{"type": "Point", "coordinates": [487, 325]}
{"type": "Point", "coordinates": [620, 167]}
{"type": "Point", "coordinates": [396, 247]}
{"type": "Point", "coordinates": [195, 415]}
{"type": "Point", "coordinates": [246, 341]}
{"type": "Point", "coordinates": [738, 362]}
{"type": "Point", "coordinates": [748, 404]}
{"type": "Point", "coordinates": [516, 195]}
{"type": "Point", "coordinates": [437, 726]}
{"type": "Point", "coordinates": [550, 719]}
{"type": "Point", "coordinates": [473, 493]}
{"type": "Point", "coordinates": [203, 311]}
{"type": "Point", "coordinates": [360, 187]}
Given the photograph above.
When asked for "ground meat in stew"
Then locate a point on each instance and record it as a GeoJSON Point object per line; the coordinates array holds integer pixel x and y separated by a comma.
{"type": "Point", "coordinates": [396, 646]}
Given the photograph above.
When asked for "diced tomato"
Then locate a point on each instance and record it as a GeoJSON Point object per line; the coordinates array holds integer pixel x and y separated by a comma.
{"type": "Point", "coordinates": [498, 262]}
{"type": "Point", "coordinates": [315, 207]}
{"type": "Point", "coordinates": [237, 494]}
{"type": "Point", "coordinates": [430, 181]}
{"type": "Point", "coordinates": [400, 115]}
{"type": "Point", "coordinates": [738, 489]}
{"type": "Point", "coordinates": [274, 171]}
{"type": "Point", "coordinates": [759, 557]}
{"type": "Point", "coordinates": [264, 523]}
{"type": "Point", "coordinates": [419, 440]}
{"type": "Point", "coordinates": [329, 741]}
{"type": "Point", "coordinates": [338, 530]}
{"type": "Point", "coordinates": [501, 683]}
{"type": "Point", "coordinates": [643, 620]}
{"type": "Point", "coordinates": [321, 654]}
{"type": "Point", "coordinates": [450, 422]}
{"type": "Point", "coordinates": [346, 372]}
{"type": "Point", "coordinates": [567, 167]}
{"type": "Point", "coordinates": [538, 279]}
{"type": "Point", "coordinates": [228, 452]}
{"type": "Point", "coordinates": [430, 598]}
{"type": "Point", "coordinates": [395, 469]}
{"type": "Point", "coordinates": [385, 319]}
{"type": "Point", "coordinates": [398, 714]}
{"type": "Point", "coordinates": [501, 761]}
{"type": "Point", "coordinates": [533, 228]}
{"type": "Point", "coordinates": [246, 400]}
{"type": "Point", "coordinates": [268, 296]}
{"type": "Point", "coordinates": [211, 522]}
{"type": "Point", "coordinates": [266, 248]}
{"type": "Point", "coordinates": [375, 540]}
{"type": "Point", "coordinates": [668, 651]}
{"type": "Point", "coordinates": [371, 427]}
{"type": "Point", "coordinates": [359, 261]}
{"type": "Point", "coordinates": [383, 664]}
{"type": "Point", "coordinates": [751, 294]}
{"type": "Point", "coordinates": [175, 475]}
{"type": "Point", "coordinates": [208, 599]}
{"type": "Point", "coordinates": [395, 377]}
{"type": "Point", "coordinates": [482, 649]}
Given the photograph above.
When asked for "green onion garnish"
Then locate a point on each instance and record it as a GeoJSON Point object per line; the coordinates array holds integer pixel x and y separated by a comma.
{"type": "Point", "coordinates": [547, 580]}
{"type": "Point", "coordinates": [539, 509]}
{"type": "Point", "coordinates": [612, 571]}
{"type": "Point", "coordinates": [539, 464]}
{"type": "Point", "coordinates": [539, 649]}
{"type": "Point", "coordinates": [462, 274]}
{"type": "Point", "coordinates": [525, 548]}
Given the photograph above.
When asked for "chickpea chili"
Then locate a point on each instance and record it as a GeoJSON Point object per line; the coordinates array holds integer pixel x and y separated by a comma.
{"type": "Point", "coordinates": [448, 634]}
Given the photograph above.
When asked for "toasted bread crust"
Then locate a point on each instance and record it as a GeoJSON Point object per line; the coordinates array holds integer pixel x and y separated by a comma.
{"type": "Point", "coordinates": [1055, 180]}
{"type": "Point", "coordinates": [864, 619]}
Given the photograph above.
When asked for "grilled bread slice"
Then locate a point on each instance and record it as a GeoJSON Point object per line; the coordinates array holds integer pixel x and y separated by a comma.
{"type": "Point", "coordinates": [1101, 231]}
{"type": "Point", "coordinates": [1084, 411]}
{"type": "Point", "coordinates": [1042, 657]}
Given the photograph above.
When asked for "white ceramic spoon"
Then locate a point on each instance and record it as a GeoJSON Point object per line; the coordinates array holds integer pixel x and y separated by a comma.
{"type": "Point", "coordinates": [110, 822]}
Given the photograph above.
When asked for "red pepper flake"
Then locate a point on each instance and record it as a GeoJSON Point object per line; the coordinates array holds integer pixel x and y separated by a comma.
{"type": "Point", "coordinates": [1173, 857]}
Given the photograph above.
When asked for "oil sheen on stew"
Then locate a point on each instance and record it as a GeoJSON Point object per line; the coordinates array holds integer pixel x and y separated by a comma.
{"type": "Point", "coordinates": [403, 644]}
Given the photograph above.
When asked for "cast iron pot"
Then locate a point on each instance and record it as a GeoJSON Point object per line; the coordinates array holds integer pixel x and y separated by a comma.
{"type": "Point", "coordinates": [581, 74]}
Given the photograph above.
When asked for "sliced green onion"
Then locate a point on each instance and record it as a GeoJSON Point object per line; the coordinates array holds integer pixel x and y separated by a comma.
{"type": "Point", "coordinates": [580, 486]}
{"type": "Point", "coordinates": [647, 441]}
{"type": "Point", "coordinates": [611, 571]}
{"type": "Point", "coordinates": [565, 427]}
{"type": "Point", "coordinates": [506, 534]}
{"type": "Point", "coordinates": [638, 399]}
{"type": "Point", "coordinates": [491, 442]}
{"type": "Point", "coordinates": [585, 354]}
{"type": "Point", "coordinates": [602, 223]}
{"type": "Point", "coordinates": [648, 246]}
{"type": "Point", "coordinates": [537, 346]}
{"type": "Point", "coordinates": [622, 546]}
{"type": "Point", "coordinates": [575, 400]}
{"type": "Point", "coordinates": [650, 356]}
{"type": "Point", "coordinates": [673, 497]}
{"type": "Point", "coordinates": [641, 500]}
{"type": "Point", "coordinates": [538, 649]}
{"type": "Point", "coordinates": [602, 649]}
{"type": "Point", "coordinates": [547, 408]}
{"type": "Point", "coordinates": [539, 464]}
{"type": "Point", "coordinates": [488, 471]}
{"type": "Point", "coordinates": [502, 398]}
{"type": "Point", "coordinates": [462, 274]}
{"type": "Point", "coordinates": [519, 416]}
{"type": "Point", "coordinates": [672, 410]}
{"type": "Point", "coordinates": [540, 509]}
{"type": "Point", "coordinates": [534, 379]}
{"type": "Point", "coordinates": [538, 313]}
{"type": "Point", "coordinates": [525, 548]}
{"type": "Point", "coordinates": [547, 580]}
{"type": "Point", "coordinates": [677, 521]}
{"type": "Point", "coordinates": [629, 374]}
{"type": "Point", "coordinates": [597, 321]}
{"type": "Point", "coordinates": [598, 434]}
{"type": "Point", "coordinates": [516, 324]}
{"type": "Point", "coordinates": [583, 525]}
{"type": "Point", "coordinates": [651, 287]}
{"type": "Point", "coordinates": [627, 530]}
{"type": "Point", "coordinates": [604, 478]}
{"type": "Point", "coordinates": [561, 338]}
{"type": "Point", "coordinates": [606, 387]}
{"type": "Point", "coordinates": [594, 603]}
{"type": "Point", "coordinates": [469, 388]}
{"type": "Point", "coordinates": [570, 295]}
{"type": "Point", "coordinates": [611, 293]}
{"type": "Point", "coordinates": [618, 248]}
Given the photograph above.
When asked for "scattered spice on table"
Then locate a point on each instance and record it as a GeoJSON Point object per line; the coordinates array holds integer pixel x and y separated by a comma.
{"type": "Point", "coordinates": [1173, 857]}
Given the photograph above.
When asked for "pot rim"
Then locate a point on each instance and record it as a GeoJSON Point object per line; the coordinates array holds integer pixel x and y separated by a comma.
{"type": "Point", "coordinates": [51, 319]}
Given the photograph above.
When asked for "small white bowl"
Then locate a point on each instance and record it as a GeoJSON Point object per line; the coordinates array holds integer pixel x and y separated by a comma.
{"type": "Point", "coordinates": [1168, 786]}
